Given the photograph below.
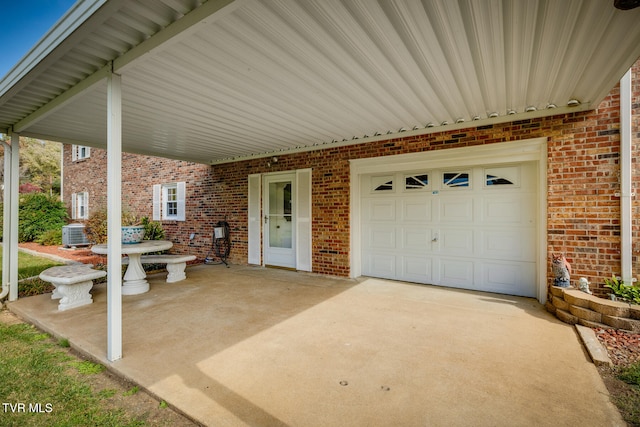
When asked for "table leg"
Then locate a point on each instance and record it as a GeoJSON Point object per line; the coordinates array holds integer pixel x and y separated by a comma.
{"type": "Point", "coordinates": [135, 281]}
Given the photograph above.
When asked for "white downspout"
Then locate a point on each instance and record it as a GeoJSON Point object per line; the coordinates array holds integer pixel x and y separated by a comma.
{"type": "Point", "coordinates": [62, 173]}
{"type": "Point", "coordinates": [6, 221]}
{"type": "Point", "coordinates": [626, 244]}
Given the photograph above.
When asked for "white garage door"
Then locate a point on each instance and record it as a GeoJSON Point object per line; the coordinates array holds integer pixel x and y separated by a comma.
{"type": "Point", "coordinates": [471, 227]}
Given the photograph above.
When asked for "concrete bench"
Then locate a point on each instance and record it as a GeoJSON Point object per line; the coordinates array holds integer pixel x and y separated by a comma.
{"type": "Point", "coordinates": [176, 264]}
{"type": "Point", "coordinates": [72, 284]}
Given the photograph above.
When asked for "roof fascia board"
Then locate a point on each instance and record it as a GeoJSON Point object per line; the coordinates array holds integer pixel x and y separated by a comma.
{"type": "Point", "coordinates": [65, 34]}
{"type": "Point", "coordinates": [178, 30]}
{"type": "Point", "coordinates": [72, 141]}
{"type": "Point", "coordinates": [62, 99]}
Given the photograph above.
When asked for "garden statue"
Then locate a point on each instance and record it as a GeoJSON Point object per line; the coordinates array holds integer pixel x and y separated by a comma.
{"type": "Point", "coordinates": [561, 271]}
{"type": "Point", "coordinates": [583, 284]}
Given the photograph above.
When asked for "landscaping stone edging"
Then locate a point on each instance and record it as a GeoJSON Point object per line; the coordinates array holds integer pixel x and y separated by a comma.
{"type": "Point", "coordinates": [579, 308]}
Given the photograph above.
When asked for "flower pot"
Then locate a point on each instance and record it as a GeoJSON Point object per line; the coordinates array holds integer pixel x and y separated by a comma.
{"type": "Point", "coordinates": [132, 234]}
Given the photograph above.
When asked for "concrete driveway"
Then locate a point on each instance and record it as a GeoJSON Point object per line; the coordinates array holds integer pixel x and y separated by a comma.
{"type": "Point", "coordinates": [261, 347]}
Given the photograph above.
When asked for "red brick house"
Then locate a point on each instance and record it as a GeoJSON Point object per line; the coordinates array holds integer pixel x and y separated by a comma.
{"type": "Point", "coordinates": [454, 143]}
{"type": "Point", "coordinates": [414, 220]}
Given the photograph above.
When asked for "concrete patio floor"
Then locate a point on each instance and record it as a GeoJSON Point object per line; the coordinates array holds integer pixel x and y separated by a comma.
{"type": "Point", "coordinates": [251, 346]}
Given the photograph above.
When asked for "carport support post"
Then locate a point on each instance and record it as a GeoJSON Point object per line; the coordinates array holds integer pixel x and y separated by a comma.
{"type": "Point", "coordinates": [114, 216]}
{"type": "Point", "coordinates": [10, 218]}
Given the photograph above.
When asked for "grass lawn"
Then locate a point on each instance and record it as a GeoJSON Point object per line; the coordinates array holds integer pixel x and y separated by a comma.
{"type": "Point", "coordinates": [30, 266]}
{"type": "Point", "coordinates": [41, 385]}
{"type": "Point", "coordinates": [44, 383]}
{"type": "Point", "coordinates": [626, 394]}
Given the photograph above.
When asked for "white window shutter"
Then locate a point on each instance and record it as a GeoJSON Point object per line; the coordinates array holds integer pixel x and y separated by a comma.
{"type": "Point", "coordinates": [254, 220]}
{"type": "Point", "coordinates": [74, 153]}
{"type": "Point", "coordinates": [181, 193]}
{"type": "Point", "coordinates": [303, 220]}
{"type": "Point", "coordinates": [87, 152]}
{"type": "Point", "coordinates": [157, 191]}
{"type": "Point", "coordinates": [74, 205]}
{"type": "Point", "coordinates": [86, 205]}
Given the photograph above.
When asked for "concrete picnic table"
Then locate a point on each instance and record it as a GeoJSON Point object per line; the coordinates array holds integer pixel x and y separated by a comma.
{"type": "Point", "coordinates": [135, 278]}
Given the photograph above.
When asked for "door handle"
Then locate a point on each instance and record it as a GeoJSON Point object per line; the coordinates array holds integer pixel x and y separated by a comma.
{"type": "Point", "coordinates": [266, 219]}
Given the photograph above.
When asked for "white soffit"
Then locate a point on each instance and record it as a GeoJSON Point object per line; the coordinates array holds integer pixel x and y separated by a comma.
{"type": "Point", "coordinates": [258, 77]}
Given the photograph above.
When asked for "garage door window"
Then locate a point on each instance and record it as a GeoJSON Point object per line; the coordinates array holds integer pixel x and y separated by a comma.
{"type": "Point", "coordinates": [382, 183]}
{"type": "Point", "coordinates": [416, 182]}
{"type": "Point", "coordinates": [455, 179]}
{"type": "Point", "coordinates": [504, 176]}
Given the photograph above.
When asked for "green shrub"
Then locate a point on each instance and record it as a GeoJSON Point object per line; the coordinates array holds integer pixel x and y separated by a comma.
{"type": "Point", "coordinates": [622, 291]}
{"type": "Point", "coordinates": [37, 213]}
{"type": "Point", "coordinates": [50, 237]}
{"type": "Point", "coordinates": [96, 226]}
{"type": "Point", "coordinates": [152, 229]}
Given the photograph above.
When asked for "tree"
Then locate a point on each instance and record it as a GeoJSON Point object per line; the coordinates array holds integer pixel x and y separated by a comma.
{"type": "Point", "coordinates": [39, 164]}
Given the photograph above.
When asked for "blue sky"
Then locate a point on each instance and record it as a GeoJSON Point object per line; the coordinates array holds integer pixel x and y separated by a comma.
{"type": "Point", "coordinates": [24, 22]}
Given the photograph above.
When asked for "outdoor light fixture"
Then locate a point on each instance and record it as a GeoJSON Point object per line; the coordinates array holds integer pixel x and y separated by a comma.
{"type": "Point", "coordinates": [444, 123]}
{"type": "Point", "coordinates": [430, 125]}
{"type": "Point", "coordinates": [493, 115]}
{"type": "Point", "coordinates": [530, 109]}
{"type": "Point", "coordinates": [626, 4]}
{"type": "Point", "coordinates": [476, 117]}
{"type": "Point", "coordinates": [460, 120]}
{"type": "Point", "coordinates": [511, 112]}
{"type": "Point", "coordinates": [573, 103]}
{"type": "Point", "coordinates": [551, 106]}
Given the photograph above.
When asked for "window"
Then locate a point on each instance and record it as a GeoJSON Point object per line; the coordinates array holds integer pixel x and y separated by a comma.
{"type": "Point", "coordinates": [169, 202]}
{"type": "Point", "coordinates": [80, 152]}
{"type": "Point", "coordinates": [170, 196]}
{"type": "Point", "coordinates": [413, 182]}
{"type": "Point", "coordinates": [80, 205]}
{"type": "Point", "coordinates": [455, 179]}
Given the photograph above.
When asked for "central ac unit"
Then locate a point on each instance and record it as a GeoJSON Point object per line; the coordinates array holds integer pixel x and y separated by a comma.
{"type": "Point", "coordinates": [73, 235]}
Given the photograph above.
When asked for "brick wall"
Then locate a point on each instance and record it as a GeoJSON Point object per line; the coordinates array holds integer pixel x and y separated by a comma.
{"type": "Point", "coordinates": [583, 177]}
{"type": "Point", "coordinates": [139, 174]}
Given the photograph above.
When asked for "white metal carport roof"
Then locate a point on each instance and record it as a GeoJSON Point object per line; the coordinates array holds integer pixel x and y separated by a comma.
{"type": "Point", "coordinates": [222, 80]}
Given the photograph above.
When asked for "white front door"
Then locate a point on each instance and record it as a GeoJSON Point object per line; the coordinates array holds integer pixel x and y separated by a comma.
{"type": "Point", "coordinates": [279, 220]}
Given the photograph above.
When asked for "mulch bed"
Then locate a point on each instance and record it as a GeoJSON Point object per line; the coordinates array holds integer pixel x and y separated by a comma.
{"type": "Point", "coordinates": [623, 347]}
{"type": "Point", "coordinates": [79, 254]}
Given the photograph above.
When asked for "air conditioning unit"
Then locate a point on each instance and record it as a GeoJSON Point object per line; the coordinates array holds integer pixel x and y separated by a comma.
{"type": "Point", "coordinates": [73, 235]}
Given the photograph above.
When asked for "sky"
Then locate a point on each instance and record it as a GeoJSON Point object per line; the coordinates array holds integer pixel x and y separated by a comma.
{"type": "Point", "coordinates": [24, 22]}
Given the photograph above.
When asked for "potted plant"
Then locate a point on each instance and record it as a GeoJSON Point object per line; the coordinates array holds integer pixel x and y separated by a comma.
{"type": "Point", "coordinates": [96, 227]}
{"type": "Point", "coordinates": [132, 228]}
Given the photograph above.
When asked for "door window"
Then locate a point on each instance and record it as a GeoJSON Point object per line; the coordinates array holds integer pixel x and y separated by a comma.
{"type": "Point", "coordinates": [280, 215]}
